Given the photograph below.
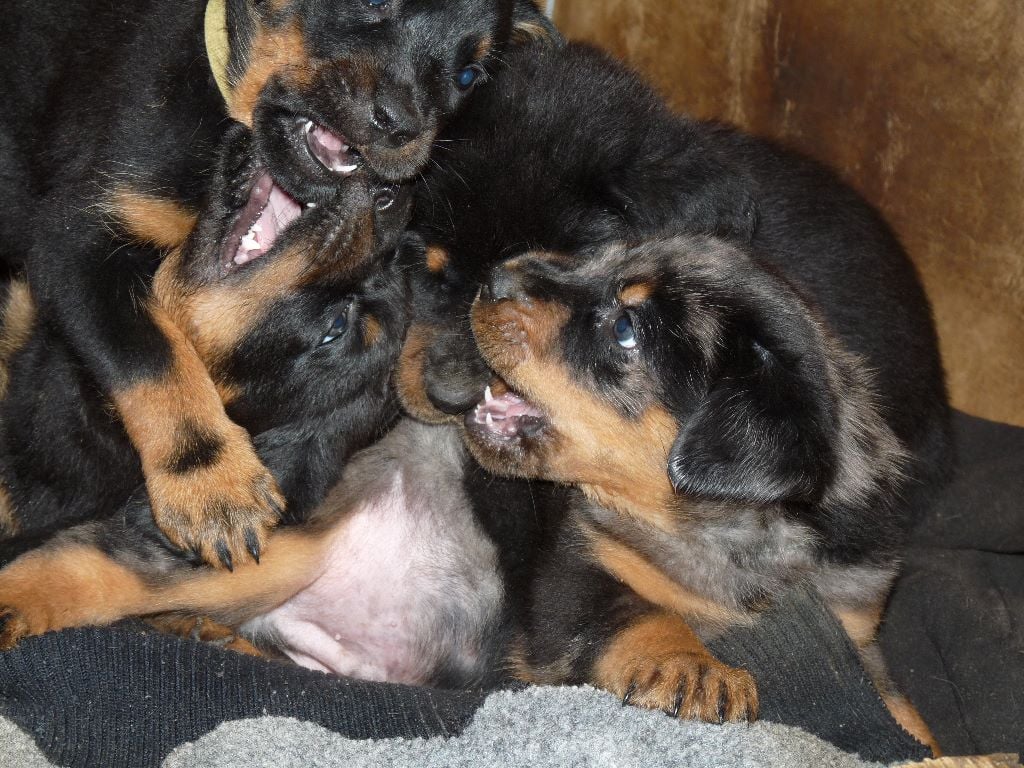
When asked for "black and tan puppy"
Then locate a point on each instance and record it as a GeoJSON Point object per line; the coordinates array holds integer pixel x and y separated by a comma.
{"type": "Point", "coordinates": [390, 578]}
{"type": "Point", "coordinates": [299, 345]}
{"type": "Point", "coordinates": [741, 413]}
{"type": "Point", "coordinates": [112, 119]}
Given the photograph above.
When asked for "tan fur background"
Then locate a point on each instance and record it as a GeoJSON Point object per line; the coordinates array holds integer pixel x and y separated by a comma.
{"type": "Point", "coordinates": [920, 105]}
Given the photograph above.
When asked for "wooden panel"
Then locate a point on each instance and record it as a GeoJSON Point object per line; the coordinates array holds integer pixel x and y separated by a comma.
{"type": "Point", "coordinates": [919, 105]}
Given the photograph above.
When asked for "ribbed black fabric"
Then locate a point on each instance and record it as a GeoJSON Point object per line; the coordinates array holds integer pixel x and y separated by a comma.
{"type": "Point", "coordinates": [113, 697]}
{"type": "Point", "coordinates": [808, 675]}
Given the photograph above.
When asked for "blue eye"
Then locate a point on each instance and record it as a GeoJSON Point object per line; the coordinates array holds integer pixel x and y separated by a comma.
{"type": "Point", "coordinates": [624, 334]}
{"type": "Point", "coordinates": [466, 76]}
{"type": "Point", "coordinates": [376, 3]}
{"type": "Point", "coordinates": [338, 327]}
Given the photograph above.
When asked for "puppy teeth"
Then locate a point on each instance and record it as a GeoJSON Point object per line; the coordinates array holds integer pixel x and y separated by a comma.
{"type": "Point", "coordinates": [308, 126]}
{"type": "Point", "coordinates": [490, 420]}
{"type": "Point", "coordinates": [487, 394]}
{"type": "Point", "coordinates": [311, 205]}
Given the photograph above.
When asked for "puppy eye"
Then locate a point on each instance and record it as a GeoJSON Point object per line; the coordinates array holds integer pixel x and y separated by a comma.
{"type": "Point", "coordinates": [385, 198]}
{"type": "Point", "coordinates": [377, 3]}
{"type": "Point", "coordinates": [466, 76]}
{"type": "Point", "coordinates": [338, 327]}
{"type": "Point", "coordinates": [623, 331]}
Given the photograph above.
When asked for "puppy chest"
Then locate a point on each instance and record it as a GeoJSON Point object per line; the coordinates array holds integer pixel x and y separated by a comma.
{"type": "Point", "coordinates": [403, 593]}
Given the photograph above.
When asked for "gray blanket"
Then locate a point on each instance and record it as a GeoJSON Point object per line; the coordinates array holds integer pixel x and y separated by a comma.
{"type": "Point", "coordinates": [535, 728]}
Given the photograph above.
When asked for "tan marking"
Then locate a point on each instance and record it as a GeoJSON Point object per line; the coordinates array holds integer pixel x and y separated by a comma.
{"type": "Point", "coordinates": [371, 330]}
{"type": "Point", "coordinates": [277, 51]}
{"type": "Point", "coordinates": [204, 630]}
{"type": "Point", "coordinates": [648, 581]}
{"type": "Point", "coordinates": [8, 520]}
{"type": "Point", "coordinates": [437, 258]}
{"type": "Point", "coordinates": [619, 462]}
{"type": "Point", "coordinates": [529, 31]}
{"type": "Point", "coordinates": [635, 294]}
{"type": "Point", "coordinates": [860, 624]}
{"type": "Point", "coordinates": [910, 720]}
{"type": "Point", "coordinates": [16, 323]}
{"type": "Point", "coordinates": [483, 49]}
{"type": "Point", "coordinates": [553, 673]}
{"type": "Point", "coordinates": [409, 375]}
{"type": "Point", "coordinates": [71, 585]}
{"type": "Point", "coordinates": [151, 219]}
{"type": "Point", "coordinates": [660, 661]}
{"type": "Point", "coordinates": [215, 502]}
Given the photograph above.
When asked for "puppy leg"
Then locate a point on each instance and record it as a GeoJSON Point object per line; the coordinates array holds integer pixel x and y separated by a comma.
{"type": "Point", "coordinates": [587, 626]}
{"type": "Point", "coordinates": [100, 572]}
{"type": "Point", "coordinates": [204, 630]}
{"type": "Point", "coordinates": [210, 492]}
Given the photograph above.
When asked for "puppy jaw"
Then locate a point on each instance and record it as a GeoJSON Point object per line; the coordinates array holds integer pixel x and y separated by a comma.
{"type": "Point", "coordinates": [618, 461]}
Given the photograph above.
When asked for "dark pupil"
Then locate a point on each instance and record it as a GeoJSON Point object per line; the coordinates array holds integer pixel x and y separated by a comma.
{"type": "Point", "coordinates": [623, 328]}
{"type": "Point", "coordinates": [466, 77]}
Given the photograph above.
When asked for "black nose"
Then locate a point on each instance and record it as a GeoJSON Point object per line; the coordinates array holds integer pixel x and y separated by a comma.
{"type": "Point", "coordinates": [398, 119]}
{"type": "Point", "coordinates": [501, 284]}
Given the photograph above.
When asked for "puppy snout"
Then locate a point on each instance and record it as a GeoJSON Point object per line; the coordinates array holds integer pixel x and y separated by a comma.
{"type": "Point", "coordinates": [396, 117]}
{"type": "Point", "coordinates": [502, 284]}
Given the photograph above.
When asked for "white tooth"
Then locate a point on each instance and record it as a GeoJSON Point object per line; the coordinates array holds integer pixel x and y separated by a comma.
{"type": "Point", "coordinates": [257, 227]}
{"type": "Point", "coordinates": [345, 168]}
{"type": "Point", "coordinates": [345, 147]}
{"type": "Point", "coordinates": [249, 242]}
{"type": "Point", "coordinates": [311, 205]}
{"type": "Point", "coordinates": [308, 126]}
{"type": "Point", "coordinates": [490, 420]}
{"type": "Point", "coordinates": [487, 394]}
{"type": "Point", "coordinates": [240, 258]}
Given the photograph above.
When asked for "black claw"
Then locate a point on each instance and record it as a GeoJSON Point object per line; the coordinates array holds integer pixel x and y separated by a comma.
{"type": "Point", "coordinates": [677, 707]}
{"type": "Point", "coordinates": [252, 543]}
{"type": "Point", "coordinates": [225, 555]}
{"type": "Point", "coordinates": [630, 690]}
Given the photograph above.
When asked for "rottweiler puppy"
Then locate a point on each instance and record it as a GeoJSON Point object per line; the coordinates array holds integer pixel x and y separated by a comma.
{"type": "Point", "coordinates": [722, 346]}
{"type": "Point", "coordinates": [390, 578]}
{"type": "Point", "coordinates": [298, 344]}
{"type": "Point", "coordinates": [114, 113]}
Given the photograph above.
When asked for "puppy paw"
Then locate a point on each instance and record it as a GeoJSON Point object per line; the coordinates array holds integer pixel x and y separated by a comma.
{"type": "Point", "coordinates": [204, 630]}
{"type": "Point", "coordinates": [216, 499]}
{"type": "Point", "coordinates": [689, 685]}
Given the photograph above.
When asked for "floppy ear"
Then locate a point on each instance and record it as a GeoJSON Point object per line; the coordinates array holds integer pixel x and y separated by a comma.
{"type": "Point", "coordinates": [530, 23]}
{"type": "Point", "coordinates": [763, 431]}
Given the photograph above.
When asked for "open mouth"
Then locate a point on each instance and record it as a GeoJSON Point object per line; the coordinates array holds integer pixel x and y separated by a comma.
{"type": "Point", "coordinates": [330, 149]}
{"type": "Point", "coordinates": [267, 213]}
{"type": "Point", "coordinates": [269, 210]}
{"type": "Point", "coordinates": [505, 417]}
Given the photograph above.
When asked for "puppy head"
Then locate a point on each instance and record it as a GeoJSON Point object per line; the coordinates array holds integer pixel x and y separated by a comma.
{"type": "Point", "coordinates": [677, 367]}
{"type": "Point", "coordinates": [332, 84]}
{"type": "Point", "coordinates": [306, 325]}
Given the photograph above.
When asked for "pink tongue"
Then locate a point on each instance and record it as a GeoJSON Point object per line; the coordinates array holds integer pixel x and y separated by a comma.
{"type": "Point", "coordinates": [501, 414]}
{"type": "Point", "coordinates": [279, 212]}
{"type": "Point", "coordinates": [330, 149]}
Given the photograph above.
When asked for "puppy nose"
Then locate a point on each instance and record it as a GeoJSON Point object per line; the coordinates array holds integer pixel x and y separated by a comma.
{"type": "Point", "coordinates": [501, 285]}
{"type": "Point", "coordinates": [400, 122]}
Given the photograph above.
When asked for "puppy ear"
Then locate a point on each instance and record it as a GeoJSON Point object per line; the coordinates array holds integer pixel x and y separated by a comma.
{"type": "Point", "coordinates": [763, 430]}
{"type": "Point", "coordinates": [530, 24]}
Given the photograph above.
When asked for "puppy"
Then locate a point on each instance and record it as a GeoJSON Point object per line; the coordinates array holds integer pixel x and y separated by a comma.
{"type": "Point", "coordinates": [717, 342]}
{"type": "Point", "coordinates": [391, 578]}
{"type": "Point", "coordinates": [106, 150]}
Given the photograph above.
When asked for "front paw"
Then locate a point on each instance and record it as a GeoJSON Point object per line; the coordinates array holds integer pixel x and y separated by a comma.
{"type": "Point", "coordinates": [688, 685]}
{"type": "Point", "coordinates": [216, 499]}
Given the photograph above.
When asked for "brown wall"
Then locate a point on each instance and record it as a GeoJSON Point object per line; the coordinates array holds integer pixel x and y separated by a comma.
{"type": "Point", "coordinates": [920, 105]}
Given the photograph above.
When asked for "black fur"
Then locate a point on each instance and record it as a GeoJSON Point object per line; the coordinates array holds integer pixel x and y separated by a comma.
{"type": "Point", "coordinates": [119, 96]}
